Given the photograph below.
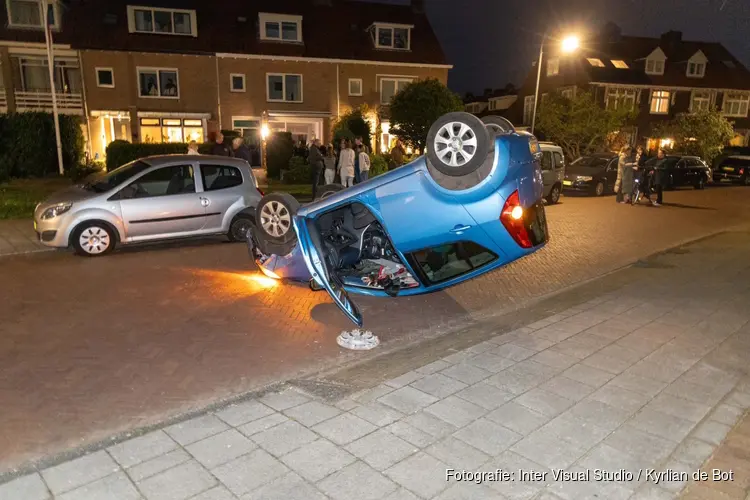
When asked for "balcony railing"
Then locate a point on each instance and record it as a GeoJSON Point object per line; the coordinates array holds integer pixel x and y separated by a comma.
{"type": "Point", "coordinates": [69, 103]}
{"type": "Point", "coordinates": [3, 101]}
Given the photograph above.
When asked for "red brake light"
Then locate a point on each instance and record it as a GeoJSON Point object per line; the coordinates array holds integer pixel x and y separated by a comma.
{"type": "Point", "coordinates": [742, 171]}
{"type": "Point", "coordinates": [512, 218]}
{"type": "Point", "coordinates": [261, 192]}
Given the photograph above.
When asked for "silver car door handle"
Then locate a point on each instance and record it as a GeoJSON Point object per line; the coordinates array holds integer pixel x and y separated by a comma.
{"type": "Point", "coordinates": [205, 202]}
{"type": "Point", "coordinates": [460, 229]}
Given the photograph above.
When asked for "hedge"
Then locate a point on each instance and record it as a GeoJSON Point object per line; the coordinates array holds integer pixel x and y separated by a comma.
{"type": "Point", "coordinates": [29, 149]}
{"type": "Point", "coordinates": [279, 149]}
{"type": "Point", "coordinates": [121, 152]}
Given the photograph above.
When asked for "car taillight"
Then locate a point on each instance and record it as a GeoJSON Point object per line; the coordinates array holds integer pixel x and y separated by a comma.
{"type": "Point", "coordinates": [261, 192]}
{"type": "Point", "coordinates": [742, 171]}
{"type": "Point", "coordinates": [512, 218]}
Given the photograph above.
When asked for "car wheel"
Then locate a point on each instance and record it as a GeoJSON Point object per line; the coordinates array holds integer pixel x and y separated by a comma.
{"type": "Point", "coordinates": [745, 180]}
{"type": "Point", "coordinates": [93, 239]}
{"type": "Point", "coordinates": [554, 195]}
{"type": "Point", "coordinates": [498, 125]}
{"type": "Point", "coordinates": [701, 183]}
{"type": "Point", "coordinates": [328, 190]}
{"type": "Point", "coordinates": [239, 227]}
{"type": "Point", "coordinates": [599, 189]}
{"type": "Point", "coordinates": [457, 144]}
{"type": "Point", "coordinates": [273, 222]}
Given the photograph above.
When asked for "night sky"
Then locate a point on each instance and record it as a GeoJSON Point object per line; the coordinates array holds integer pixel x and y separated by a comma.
{"type": "Point", "coordinates": [493, 42]}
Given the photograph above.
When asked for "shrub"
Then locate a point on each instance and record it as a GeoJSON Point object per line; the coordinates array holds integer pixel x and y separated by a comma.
{"type": "Point", "coordinates": [121, 152]}
{"type": "Point", "coordinates": [84, 170]}
{"type": "Point", "coordinates": [352, 124]}
{"type": "Point", "coordinates": [378, 165]}
{"type": "Point", "coordinates": [279, 150]}
{"type": "Point", "coordinates": [27, 142]}
{"type": "Point", "coordinates": [299, 172]}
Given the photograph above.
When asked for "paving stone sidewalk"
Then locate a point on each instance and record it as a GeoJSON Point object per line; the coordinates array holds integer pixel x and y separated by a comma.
{"type": "Point", "coordinates": [652, 376]}
{"type": "Point", "coordinates": [17, 236]}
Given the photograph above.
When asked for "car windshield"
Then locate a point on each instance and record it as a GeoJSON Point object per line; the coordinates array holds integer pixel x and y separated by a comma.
{"type": "Point", "coordinates": [590, 161]}
{"type": "Point", "coordinates": [116, 177]}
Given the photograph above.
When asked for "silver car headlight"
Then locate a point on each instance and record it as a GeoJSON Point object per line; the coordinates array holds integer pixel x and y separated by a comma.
{"type": "Point", "coordinates": [584, 178]}
{"type": "Point", "coordinates": [58, 209]}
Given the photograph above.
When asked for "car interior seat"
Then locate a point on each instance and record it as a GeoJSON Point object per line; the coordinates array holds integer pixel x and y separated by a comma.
{"type": "Point", "coordinates": [176, 184]}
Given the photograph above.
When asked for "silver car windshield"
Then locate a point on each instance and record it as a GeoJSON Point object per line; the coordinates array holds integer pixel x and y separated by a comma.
{"type": "Point", "coordinates": [117, 177]}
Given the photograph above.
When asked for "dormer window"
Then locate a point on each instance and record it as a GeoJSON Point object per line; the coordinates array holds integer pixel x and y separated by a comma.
{"type": "Point", "coordinates": [280, 27]}
{"type": "Point", "coordinates": [619, 64]}
{"type": "Point", "coordinates": [31, 13]}
{"type": "Point", "coordinates": [655, 62]}
{"type": "Point", "coordinates": [392, 36]}
{"type": "Point", "coordinates": [597, 63]}
{"type": "Point", "coordinates": [696, 66]}
{"type": "Point", "coordinates": [161, 21]}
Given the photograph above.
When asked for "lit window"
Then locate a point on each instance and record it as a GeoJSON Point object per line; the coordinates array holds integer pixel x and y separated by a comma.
{"type": "Point", "coordinates": [31, 13]}
{"type": "Point", "coordinates": [700, 101]}
{"type": "Point", "coordinates": [619, 98]}
{"type": "Point", "coordinates": [389, 87]}
{"type": "Point", "coordinates": [280, 27]}
{"type": "Point", "coordinates": [158, 82]}
{"type": "Point", "coordinates": [736, 105]}
{"type": "Point", "coordinates": [696, 69]}
{"type": "Point", "coordinates": [528, 109]}
{"type": "Point", "coordinates": [595, 62]}
{"type": "Point", "coordinates": [154, 130]}
{"type": "Point", "coordinates": [105, 77]}
{"type": "Point", "coordinates": [392, 36]}
{"type": "Point", "coordinates": [654, 67]}
{"type": "Point", "coordinates": [660, 102]}
{"type": "Point", "coordinates": [619, 64]}
{"type": "Point", "coordinates": [237, 82]}
{"type": "Point", "coordinates": [355, 86]}
{"type": "Point", "coordinates": [283, 87]}
{"type": "Point", "coordinates": [553, 67]}
{"type": "Point", "coordinates": [161, 21]}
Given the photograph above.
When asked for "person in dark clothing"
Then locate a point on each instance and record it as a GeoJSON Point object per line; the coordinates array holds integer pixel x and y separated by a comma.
{"type": "Point", "coordinates": [659, 177]}
{"type": "Point", "coordinates": [315, 159]}
{"type": "Point", "coordinates": [220, 148]}
{"type": "Point", "coordinates": [240, 150]}
{"type": "Point", "coordinates": [642, 174]}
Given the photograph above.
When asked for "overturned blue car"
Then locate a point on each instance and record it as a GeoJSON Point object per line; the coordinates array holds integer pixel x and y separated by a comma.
{"type": "Point", "coordinates": [472, 204]}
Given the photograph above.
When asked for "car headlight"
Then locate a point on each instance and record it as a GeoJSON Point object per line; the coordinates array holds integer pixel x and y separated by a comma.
{"type": "Point", "coordinates": [584, 178]}
{"type": "Point", "coordinates": [58, 209]}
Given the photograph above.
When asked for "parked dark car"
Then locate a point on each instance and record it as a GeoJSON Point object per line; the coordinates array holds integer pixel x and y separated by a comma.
{"type": "Point", "coordinates": [679, 170]}
{"type": "Point", "coordinates": [733, 169]}
{"type": "Point", "coordinates": [730, 151]}
{"type": "Point", "coordinates": [594, 175]}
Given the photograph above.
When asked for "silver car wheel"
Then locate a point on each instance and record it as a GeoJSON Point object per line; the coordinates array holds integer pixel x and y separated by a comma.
{"type": "Point", "coordinates": [275, 219]}
{"type": "Point", "coordinates": [455, 144]}
{"type": "Point", "coordinates": [94, 240]}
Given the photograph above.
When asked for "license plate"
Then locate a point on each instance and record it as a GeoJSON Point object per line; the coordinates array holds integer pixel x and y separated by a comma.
{"type": "Point", "coordinates": [567, 183]}
{"type": "Point", "coordinates": [728, 169]}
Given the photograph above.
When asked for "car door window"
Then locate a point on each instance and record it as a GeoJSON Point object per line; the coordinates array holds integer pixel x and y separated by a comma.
{"type": "Point", "coordinates": [546, 160]}
{"type": "Point", "coordinates": [446, 262]}
{"type": "Point", "coordinates": [217, 177]}
{"type": "Point", "coordinates": [559, 160]}
{"type": "Point", "coordinates": [165, 181]}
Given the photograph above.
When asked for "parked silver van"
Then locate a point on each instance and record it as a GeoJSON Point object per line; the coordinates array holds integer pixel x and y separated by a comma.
{"type": "Point", "coordinates": [154, 198]}
{"type": "Point", "coordinates": [553, 171]}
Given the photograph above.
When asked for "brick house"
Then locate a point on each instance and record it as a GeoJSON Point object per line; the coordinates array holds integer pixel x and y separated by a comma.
{"type": "Point", "coordinates": [660, 77]}
{"type": "Point", "coordinates": [169, 70]}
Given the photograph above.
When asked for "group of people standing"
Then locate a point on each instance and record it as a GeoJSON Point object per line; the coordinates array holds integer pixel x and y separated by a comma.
{"type": "Point", "coordinates": [631, 166]}
{"type": "Point", "coordinates": [238, 149]}
{"type": "Point", "coordinates": [352, 165]}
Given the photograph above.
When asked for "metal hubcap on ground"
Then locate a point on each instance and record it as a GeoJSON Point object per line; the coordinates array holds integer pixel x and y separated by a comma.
{"type": "Point", "coordinates": [275, 219]}
{"type": "Point", "coordinates": [555, 194]}
{"type": "Point", "coordinates": [94, 240]}
{"type": "Point", "coordinates": [455, 144]}
{"type": "Point", "coordinates": [240, 229]}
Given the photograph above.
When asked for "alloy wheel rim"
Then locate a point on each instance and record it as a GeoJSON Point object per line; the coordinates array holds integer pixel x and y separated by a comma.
{"type": "Point", "coordinates": [94, 240]}
{"type": "Point", "coordinates": [275, 219]}
{"type": "Point", "coordinates": [555, 194]}
{"type": "Point", "coordinates": [455, 144]}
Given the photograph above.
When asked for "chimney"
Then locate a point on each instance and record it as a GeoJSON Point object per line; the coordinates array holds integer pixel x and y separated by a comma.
{"type": "Point", "coordinates": [417, 6]}
{"type": "Point", "coordinates": [672, 37]}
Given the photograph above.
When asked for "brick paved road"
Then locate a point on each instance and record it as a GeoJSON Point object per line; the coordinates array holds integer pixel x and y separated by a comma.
{"type": "Point", "coordinates": [650, 376]}
{"type": "Point", "coordinates": [93, 347]}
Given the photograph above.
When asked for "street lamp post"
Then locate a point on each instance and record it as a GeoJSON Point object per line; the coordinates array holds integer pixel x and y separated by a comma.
{"type": "Point", "coordinates": [569, 44]}
{"type": "Point", "coordinates": [263, 144]}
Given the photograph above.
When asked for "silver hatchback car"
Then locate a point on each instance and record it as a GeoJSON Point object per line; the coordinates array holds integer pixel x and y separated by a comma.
{"type": "Point", "coordinates": [154, 198]}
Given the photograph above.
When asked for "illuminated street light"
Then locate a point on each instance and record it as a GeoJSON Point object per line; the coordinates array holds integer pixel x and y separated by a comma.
{"type": "Point", "coordinates": [569, 44]}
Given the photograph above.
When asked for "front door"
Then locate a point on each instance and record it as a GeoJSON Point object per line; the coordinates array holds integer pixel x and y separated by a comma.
{"type": "Point", "coordinates": [162, 203]}
{"type": "Point", "coordinates": [680, 173]}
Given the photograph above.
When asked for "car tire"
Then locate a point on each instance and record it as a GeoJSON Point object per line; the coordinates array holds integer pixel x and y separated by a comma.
{"type": "Point", "coordinates": [554, 195]}
{"type": "Point", "coordinates": [93, 239]}
{"type": "Point", "coordinates": [274, 231]}
{"type": "Point", "coordinates": [328, 190]}
{"type": "Point", "coordinates": [239, 228]}
{"type": "Point", "coordinates": [457, 144]}
{"type": "Point", "coordinates": [497, 125]}
{"type": "Point", "coordinates": [599, 189]}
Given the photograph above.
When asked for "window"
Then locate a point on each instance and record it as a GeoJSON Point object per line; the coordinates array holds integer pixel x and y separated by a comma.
{"type": "Point", "coordinates": [447, 262]}
{"type": "Point", "coordinates": [31, 13]}
{"type": "Point", "coordinates": [220, 177]}
{"type": "Point", "coordinates": [35, 75]}
{"type": "Point", "coordinates": [700, 101]}
{"type": "Point", "coordinates": [528, 109]}
{"type": "Point", "coordinates": [553, 67]}
{"type": "Point", "coordinates": [249, 130]}
{"type": "Point", "coordinates": [546, 160]}
{"type": "Point", "coordinates": [617, 98]}
{"type": "Point", "coordinates": [105, 77]}
{"type": "Point", "coordinates": [156, 130]}
{"type": "Point", "coordinates": [155, 82]}
{"type": "Point", "coordinates": [696, 69]}
{"type": "Point", "coordinates": [389, 87]}
{"type": "Point", "coordinates": [595, 62]}
{"type": "Point", "coordinates": [161, 21]}
{"type": "Point", "coordinates": [284, 88]}
{"type": "Point", "coordinates": [165, 181]}
{"type": "Point", "coordinates": [392, 36]}
{"type": "Point", "coordinates": [237, 82]}
{"type": "Point", "coordinates": [559, 160]}
{"type": "Point", "coordinates": [736, 105]}
{"type": "Point", "coordinates": [660, 102]}
{"type": "Point", "coordinates": [620, 64]}
{"type": "Point", "coordinates": [280, 27]}
{"type": "Point", "coordinates": [355, 86]}
{"type": "Point", "coordinates": [654, 67]}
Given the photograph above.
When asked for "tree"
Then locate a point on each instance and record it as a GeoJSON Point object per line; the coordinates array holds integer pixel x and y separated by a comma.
{"type": "Point", "coordinates": [702, 134]}
{"type": "Point", "coordinates": [353, 124]}
{"type": "Point", "coordinates": [418, 106]}
{"type": "Point", "coordinates": [580, 125]}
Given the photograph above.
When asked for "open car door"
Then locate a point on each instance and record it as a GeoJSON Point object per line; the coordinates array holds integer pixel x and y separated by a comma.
{"type": "Point", "coordinates": [314, 253]}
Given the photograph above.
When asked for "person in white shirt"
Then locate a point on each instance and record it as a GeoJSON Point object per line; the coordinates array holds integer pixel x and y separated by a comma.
{"type": "Point", "coordinates": [329, 160]}
{"type": "Point", "coordinates": [364, 163]}
{"type": "Point", "coordinates": [193, 148]}
{"type": "Point", "coordinates": [346, 164]}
